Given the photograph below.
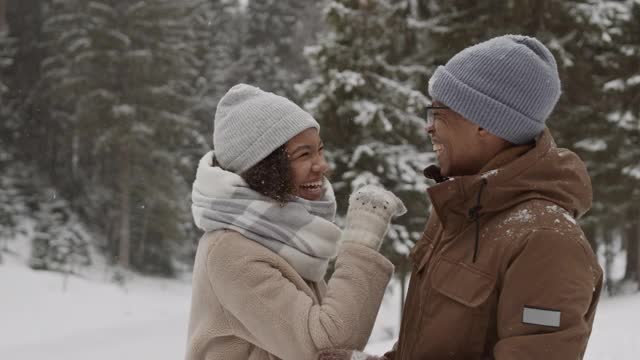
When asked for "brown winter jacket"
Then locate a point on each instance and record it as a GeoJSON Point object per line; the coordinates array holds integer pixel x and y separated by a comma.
{"type": "Point", "coordinates": [248, 303]}
{"type": "Point", "coordinates": [531, 291]}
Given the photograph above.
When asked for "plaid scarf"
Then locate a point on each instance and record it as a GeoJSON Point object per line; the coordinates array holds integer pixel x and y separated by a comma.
{"type": "Point", "coordinates": [301, 231]}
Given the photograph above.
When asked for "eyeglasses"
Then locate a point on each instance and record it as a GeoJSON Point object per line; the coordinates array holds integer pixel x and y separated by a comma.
{"type": "Point", "coordinates": [431, 114]}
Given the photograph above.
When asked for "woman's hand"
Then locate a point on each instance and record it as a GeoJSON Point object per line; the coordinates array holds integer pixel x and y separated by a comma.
{"type": "Point", "coordinates": [370, 211]}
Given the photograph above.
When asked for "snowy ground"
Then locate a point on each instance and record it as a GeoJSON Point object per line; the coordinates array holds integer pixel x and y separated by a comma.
{"type": "Point", "coordinates": [41, 317]}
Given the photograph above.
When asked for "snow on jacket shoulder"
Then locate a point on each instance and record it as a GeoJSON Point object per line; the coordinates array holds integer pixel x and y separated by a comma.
{"type": "Point", "coordinates": [249, 303]}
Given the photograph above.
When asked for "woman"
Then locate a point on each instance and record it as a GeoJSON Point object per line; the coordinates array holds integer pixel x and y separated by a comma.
{"type": "Point", "coordinates": [267, 210]}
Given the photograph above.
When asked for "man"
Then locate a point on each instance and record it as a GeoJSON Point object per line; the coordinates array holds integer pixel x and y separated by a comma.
{"type": "Point", "coordinates": [503, 271]}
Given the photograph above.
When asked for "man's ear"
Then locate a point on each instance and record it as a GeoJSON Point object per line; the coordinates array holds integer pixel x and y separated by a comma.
{"type": "Point", "coordinates": [482, 132]}
{"type": "Point", "coordinates": [486, 136]}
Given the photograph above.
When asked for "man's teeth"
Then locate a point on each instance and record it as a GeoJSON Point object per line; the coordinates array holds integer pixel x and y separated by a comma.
{"type": "Point", "coordinates": [437, 147]}
{"type": "Point", "coordinates": [313, 185]}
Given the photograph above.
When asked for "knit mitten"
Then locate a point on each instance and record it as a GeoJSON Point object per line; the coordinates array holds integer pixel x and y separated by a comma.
{"type": "Point", "coordinates": [346, 355]}
{"type": "Point", "coordinates": [370, 211]}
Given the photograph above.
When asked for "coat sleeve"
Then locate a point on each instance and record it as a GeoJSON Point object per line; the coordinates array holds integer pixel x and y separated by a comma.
{"type": "Point", "coordinates": [548, 298]}
{"type": "Point", "coordinates": [341, 354]}
{"type": "Point", "coordinates": [266, 309]}
{"type": "Point", "coordinates": [391, 354]}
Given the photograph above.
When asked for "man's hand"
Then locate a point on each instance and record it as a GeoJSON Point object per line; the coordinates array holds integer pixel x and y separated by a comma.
{"type": "Point", "coordinates": [340, 354]}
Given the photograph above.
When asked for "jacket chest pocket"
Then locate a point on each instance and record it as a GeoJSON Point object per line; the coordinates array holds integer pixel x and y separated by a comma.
{"type": "Point", "coordinates": [461, 303]}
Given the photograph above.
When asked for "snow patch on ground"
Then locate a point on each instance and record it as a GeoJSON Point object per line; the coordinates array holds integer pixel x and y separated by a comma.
{"type": "Point", "coordinates": [47, 315]}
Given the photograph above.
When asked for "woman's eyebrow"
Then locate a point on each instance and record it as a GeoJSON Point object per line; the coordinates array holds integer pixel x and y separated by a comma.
{"type": "Point", "coordinates": [301, 147]}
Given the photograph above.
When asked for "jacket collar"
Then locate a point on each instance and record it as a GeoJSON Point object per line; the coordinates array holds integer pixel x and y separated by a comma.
{"type": "Point", "coordinates": [514, 175]}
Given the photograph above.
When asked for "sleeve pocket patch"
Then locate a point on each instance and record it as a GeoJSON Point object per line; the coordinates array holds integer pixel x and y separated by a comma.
{"type": "Point", "coordinates": [543, 317]}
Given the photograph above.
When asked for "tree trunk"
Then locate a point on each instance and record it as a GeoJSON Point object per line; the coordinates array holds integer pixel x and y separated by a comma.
{"type": "Point", "coordinates": [24, 19]}
{"type": "Point", "coordinates": [112, 237]}
{"type": "Point", "coordinates": [75, 156]}
{"type": "Point", "coordinates": [143, 234]}
{"type": "Point", "coordinates": [403, 270]}
{"type": "Point", "coordinates": [632, 238]}
{"type": "Point", "coordinates": [591, 234]}
{"type": "Point", "coordinates": [4, 27]}
{"type": "Point", "coordinates": [52, 154]}
{"type": "Point", "coordinates": [608, 260]}
{"type": "Point", "coordinates": [125, 196]}
{"type": "Point", "coordinates": [637, 234]}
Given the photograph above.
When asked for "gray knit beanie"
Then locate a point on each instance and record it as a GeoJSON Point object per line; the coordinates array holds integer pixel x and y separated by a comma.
{"type": "Point", "coordinates": [507, 85]}
{"type": "Point", "coordinates": [250, 124]}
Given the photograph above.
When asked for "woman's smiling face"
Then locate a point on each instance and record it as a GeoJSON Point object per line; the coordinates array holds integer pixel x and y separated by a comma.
{"type": "Point", "coordinates": [308, 166]}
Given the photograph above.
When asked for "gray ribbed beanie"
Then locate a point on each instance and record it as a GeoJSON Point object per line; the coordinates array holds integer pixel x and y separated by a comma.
{"type": "Point", "coordinates": [250, 124]}
{"type": "Point", "coordinates": [508, 85]}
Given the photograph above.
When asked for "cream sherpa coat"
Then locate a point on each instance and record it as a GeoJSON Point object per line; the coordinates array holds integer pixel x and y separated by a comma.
{"type": "Point", "coordinates": [249, 304]}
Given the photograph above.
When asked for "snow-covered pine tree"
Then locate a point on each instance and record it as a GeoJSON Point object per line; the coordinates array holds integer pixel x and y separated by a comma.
{"type": "Point", "coordinates": [364, 95]}
{"type": "Point", "coordinates": [7, 53]}
{"type": "Point", "coordinates": [8, 211]}
{"type": "Point", "coordinates": [12, 206]}
{"type": "Point", "coordinates": [443, 28]}
{"type": "Point", "coordinates": [9, 122]}
{"type": "Point", "coordinates": [24, 124]}
{"type": "Point", "coordinates": [59, 242]}
{"type": "Point", "coordinates": [576, 32]}
{"type": "Point", "coordinates": [590, 58]}
{"type": "Point", "coordinates": [217, 41]}
{"type": "Point", "coordinates": [272, 48]}
{"type": "Point", "coordinates": [623, 107]}
{"type": "Point", "coordinates": [122, 75]}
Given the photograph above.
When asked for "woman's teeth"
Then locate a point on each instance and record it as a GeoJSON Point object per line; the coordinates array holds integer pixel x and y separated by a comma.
{"type": "Point", "coordinates": [312, 186]}
{"type": "Point", "coordinates": [437, 147]}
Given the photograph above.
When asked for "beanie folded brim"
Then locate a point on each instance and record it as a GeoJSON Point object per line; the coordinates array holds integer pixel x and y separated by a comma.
{"type": "Point", "coordinates": [483, 110]}
{"type": "Point", "coordinates": [284, 129]}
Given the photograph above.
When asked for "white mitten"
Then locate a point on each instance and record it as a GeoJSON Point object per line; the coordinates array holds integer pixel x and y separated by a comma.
{"type": "Point", "coordinates": [370, 211]}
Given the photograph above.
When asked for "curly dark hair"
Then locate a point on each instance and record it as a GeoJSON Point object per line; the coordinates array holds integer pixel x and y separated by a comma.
{"type": "Point", "coordinates": [271, 177]}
